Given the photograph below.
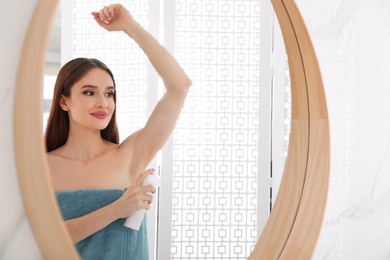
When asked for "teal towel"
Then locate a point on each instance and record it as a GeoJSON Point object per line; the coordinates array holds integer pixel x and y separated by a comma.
{"type": "Point", "coordinates": [112, 242]}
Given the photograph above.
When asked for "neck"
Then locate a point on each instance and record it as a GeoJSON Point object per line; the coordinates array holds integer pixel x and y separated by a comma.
{"type": "Point", "coordinates": [84, 145]}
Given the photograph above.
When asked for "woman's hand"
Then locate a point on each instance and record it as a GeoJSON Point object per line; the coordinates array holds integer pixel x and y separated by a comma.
{"type": "Point", "coordinates": [133, 199]}
{"type": "Point", "coordinates": [113, 17]}
{"type": "Point", "coordinates": [136, 196]}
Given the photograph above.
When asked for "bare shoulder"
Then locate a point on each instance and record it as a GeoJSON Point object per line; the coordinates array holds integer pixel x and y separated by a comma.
{"type": "Point", "coordinates": [54, 156]}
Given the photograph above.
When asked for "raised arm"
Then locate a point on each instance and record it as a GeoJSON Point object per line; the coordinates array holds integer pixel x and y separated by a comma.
{"type": "Point", "coordinates": [162, 121]}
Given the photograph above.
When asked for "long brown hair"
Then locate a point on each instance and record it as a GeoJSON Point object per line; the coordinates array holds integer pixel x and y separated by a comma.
{"type": "Point", "coordinates": [58, 124]}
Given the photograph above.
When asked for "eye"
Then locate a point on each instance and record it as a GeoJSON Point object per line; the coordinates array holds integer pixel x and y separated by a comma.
{"type": "Point", "coordinates": [88, 93]}
{"type": "Point", "coordinates": [109, 94]}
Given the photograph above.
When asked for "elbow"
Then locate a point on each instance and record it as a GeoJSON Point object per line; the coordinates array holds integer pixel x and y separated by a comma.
{"type": "Point", "coordinates": [185, 87]}
{"type": "Point", "coordinates": [187, 84]}
{"type": "Point", "coordinates": [181, 87]}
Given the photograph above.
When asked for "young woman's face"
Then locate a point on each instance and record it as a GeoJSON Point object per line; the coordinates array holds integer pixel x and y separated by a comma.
{"type": "Point", "coordinates": [91, 103]}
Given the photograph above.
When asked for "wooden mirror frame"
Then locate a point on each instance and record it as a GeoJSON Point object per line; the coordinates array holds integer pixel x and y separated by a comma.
{"type": "Point", "coordinates": [293, 227]}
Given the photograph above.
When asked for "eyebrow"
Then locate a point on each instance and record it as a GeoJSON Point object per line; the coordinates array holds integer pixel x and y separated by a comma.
{"type": "Point", "coordinates": [95, 87]}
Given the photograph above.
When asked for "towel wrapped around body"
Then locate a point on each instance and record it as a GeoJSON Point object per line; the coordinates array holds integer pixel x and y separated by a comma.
{"type": "Point", "coordinates": [112, 242]}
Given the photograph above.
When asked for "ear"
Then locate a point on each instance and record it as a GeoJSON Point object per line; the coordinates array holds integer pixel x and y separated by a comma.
{"type": "Point", "coordinates": [63, 103]}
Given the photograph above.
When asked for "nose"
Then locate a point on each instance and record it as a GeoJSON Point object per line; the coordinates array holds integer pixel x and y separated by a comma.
{"type": "Point", "coordinates": [101, 101]}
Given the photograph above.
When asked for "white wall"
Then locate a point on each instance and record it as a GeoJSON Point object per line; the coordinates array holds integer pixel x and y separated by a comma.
{"type": "Point", "coordinates": [16, 238]}
{"type": "Point", "coordinates": [352, 40]}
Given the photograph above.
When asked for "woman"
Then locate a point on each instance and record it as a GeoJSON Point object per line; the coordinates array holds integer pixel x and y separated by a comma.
{"type": "Point", "coordinates": [96, 179]}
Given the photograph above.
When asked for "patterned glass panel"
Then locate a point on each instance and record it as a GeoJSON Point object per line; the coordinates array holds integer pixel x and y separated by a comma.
{"type": "Point", "coordinates": [214, 207]}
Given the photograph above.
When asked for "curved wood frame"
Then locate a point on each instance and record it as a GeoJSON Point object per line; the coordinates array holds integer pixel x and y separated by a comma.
{"type": "Point", "coordinates": [33, 170]}
{"type": "Point", "coordinates": [293, 227]}
{"type": "Point", "coordinates": [295, 222]}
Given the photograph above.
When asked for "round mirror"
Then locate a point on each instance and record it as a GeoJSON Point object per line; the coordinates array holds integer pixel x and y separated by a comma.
{"type": "Point", "coordinates": [304, 185]}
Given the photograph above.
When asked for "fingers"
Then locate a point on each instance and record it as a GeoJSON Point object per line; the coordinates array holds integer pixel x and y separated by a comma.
{"type": "Point", "coordinates": [138, 196]}
{"type": "Point", "coordinates": [113, 17]}
{"type": "Point", "coordinates": [105, 15]}
{"type": "Point", "coordinates": [144, 202]}
{"type": "Point", "coordinates": [148, 199]}
{"type": "Point", "coordinates": [145, 206]}
{"type": "Point", "coordinates": [97, 18]}
{"type": "Point", "coordinates": [142, 176]}
{"type": "Point", "coordinates": [111, 10]}
{"type": "Point", "coordinates": [149, 188]}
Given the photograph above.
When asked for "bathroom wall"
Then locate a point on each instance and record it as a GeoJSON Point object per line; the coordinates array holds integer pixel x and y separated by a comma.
{"type": "Point", "coordinates": [16, 238]}
{"type": "Point", "coordinates": [352, 40]}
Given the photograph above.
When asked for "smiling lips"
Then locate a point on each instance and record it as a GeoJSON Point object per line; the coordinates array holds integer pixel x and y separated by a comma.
{"type": "Point", "coordinates": [99, 115]}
